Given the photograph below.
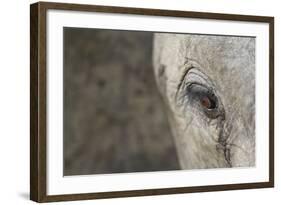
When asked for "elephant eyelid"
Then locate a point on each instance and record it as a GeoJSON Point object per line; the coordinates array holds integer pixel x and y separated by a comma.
{"type": "Point", "coordinates": [193, 74]}
{"type": "Point", "coordinates": [200, 91]}
{"type": "Point", "coordinates": [182, 80]}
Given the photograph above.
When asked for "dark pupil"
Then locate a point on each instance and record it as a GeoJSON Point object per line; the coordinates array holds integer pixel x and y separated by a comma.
{"type": "Point", "coordinates": [207, 102]}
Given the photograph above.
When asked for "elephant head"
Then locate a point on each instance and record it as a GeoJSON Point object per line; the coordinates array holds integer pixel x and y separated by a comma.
{"type": "Point", "coordinates": [208, 85]}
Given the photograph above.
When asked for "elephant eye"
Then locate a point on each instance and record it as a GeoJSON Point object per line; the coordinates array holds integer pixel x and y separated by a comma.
{"type": "Point", "coordinates": [207, 102]}
{"type": "Point", "coordinates": [197, 92]}
{"type": "Point", "coordinates": [204, 98]}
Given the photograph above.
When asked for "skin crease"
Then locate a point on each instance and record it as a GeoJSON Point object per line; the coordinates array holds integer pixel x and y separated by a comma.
{"type": "Point", "coordinates": [228, 64]}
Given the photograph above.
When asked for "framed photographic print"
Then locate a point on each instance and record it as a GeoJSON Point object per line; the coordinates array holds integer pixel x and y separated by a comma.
{"type": "Point", "coordinates": [133, 102]}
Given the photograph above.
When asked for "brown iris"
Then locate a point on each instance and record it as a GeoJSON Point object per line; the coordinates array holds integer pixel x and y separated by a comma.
{"type": "Point", "coordinates": [207, 102]}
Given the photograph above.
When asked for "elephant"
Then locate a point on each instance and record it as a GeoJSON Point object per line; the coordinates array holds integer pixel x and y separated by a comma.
{"type": "Point", "coordinates": [208, 85]}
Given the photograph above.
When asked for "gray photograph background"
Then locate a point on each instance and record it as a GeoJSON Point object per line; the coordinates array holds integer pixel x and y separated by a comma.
{"type": "Point", "coordinates": [114, 117]}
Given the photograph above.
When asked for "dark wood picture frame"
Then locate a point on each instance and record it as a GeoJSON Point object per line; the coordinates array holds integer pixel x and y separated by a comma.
{"type": "Point", "coordinates": [38, 101]}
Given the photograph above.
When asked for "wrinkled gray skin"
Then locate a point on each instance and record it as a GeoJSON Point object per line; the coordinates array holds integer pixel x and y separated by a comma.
{"type": "Point", "coordinates": [225, 65]}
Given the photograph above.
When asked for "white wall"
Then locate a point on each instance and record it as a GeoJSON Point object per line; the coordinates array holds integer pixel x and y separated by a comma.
{"type": "Point", "coordinates": [14, 102]}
